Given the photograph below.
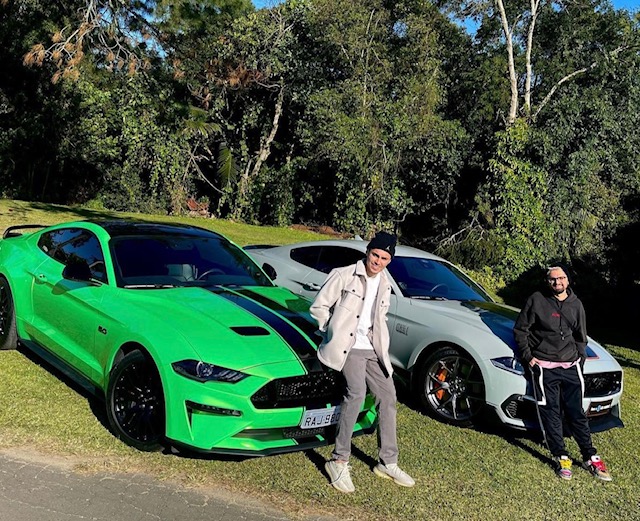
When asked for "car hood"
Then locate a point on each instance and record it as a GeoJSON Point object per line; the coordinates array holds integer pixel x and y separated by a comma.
{"type": "Point", "coordinates": [237, 327]}
{"type": "Point", "coordinates": [499, 319]}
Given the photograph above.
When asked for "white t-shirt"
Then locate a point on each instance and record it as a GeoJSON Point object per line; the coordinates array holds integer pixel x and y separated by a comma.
{"type": "Point", "coordinates": [365, 322]}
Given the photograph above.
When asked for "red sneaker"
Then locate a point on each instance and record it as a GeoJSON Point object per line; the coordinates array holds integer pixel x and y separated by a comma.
{"type": "Point", "coordinates": [596, 466]}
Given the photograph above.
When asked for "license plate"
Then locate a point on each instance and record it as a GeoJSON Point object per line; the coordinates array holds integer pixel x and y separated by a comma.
{"type": "Point", "coordinates": [599, 408]}
{"type": "Point", "coordinates": [320, 417]}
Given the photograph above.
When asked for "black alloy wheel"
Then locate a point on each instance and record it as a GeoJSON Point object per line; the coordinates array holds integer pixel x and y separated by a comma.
{"type": "Point", "coordinates": [8, 334]}
{"type": "Point", "coordinates": [135, 402]}
{"type": "Point", "coordinates": [451, 387]}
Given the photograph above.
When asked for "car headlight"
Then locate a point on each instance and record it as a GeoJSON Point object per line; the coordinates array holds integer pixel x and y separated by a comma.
{"type": "Point", "coordinates": [509, 363]}
{"type": "Point", "coordinates": [204, 372]}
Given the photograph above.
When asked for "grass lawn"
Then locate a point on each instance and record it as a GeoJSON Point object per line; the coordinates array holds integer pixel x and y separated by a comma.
{"type": "Point", "coordinates": [460, 473]}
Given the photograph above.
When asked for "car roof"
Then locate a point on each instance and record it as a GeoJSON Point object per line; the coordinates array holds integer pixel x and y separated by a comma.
{"type": "Point", "coordinates": [357, 244]}
{"type": "Point", "coordinates": [119, 228]}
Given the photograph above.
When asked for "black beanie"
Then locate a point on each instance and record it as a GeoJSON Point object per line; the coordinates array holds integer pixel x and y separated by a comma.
{"type": "Point", "coordinates": [383, 241]}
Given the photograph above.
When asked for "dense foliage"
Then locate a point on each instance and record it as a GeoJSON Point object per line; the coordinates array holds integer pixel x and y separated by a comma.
{"type": "Point", "coordinates": [502, 147]}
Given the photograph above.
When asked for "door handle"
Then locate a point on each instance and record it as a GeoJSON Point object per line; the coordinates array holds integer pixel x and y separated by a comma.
{"type": "Point", "coordinates": [312, 286]}
{"type": "Point", "coordinates": [41, 278]}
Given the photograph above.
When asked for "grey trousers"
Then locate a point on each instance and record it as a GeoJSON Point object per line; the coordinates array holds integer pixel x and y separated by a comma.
{"type": "Point", "coordinates": [362, 369]}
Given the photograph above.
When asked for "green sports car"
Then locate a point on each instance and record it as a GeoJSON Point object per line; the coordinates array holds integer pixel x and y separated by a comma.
{"type": "Point", "coordinates": [188, 341]}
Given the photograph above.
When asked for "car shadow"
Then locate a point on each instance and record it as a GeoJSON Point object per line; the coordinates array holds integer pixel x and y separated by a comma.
{"type": "Point", "coordinates": [46, 361]}
{"type": "Point", "coordinates": [487, 424]}
{"type": "Point", "coordinates": [517, 438]}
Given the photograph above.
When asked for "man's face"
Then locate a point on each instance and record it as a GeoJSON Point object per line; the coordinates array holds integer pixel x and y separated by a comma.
{"type": "Point", "coordinates": [558, 281]}
{"type": "Point", "coordinates": [376, 261]}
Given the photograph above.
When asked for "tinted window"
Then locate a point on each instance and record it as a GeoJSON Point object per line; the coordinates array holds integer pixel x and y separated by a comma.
{"type": "Point", "coordinates": [336, 257]}
{"type": "Point", "coordinates": [150, 260]}
{"type": "Point", "coordinates": [308, 255]}
{"type": "Point", "coordinates": [428, 278]}
{"type": "Point", "coordinates": [75, 245]}
{"type": "Point", "coordinates": [326, 258]}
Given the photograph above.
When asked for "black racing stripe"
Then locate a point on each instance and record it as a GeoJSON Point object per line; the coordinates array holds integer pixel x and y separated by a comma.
{"type": "Point", "coordinates": [298, 342]}
{"type": "Point", "coordinates": [305, 323]}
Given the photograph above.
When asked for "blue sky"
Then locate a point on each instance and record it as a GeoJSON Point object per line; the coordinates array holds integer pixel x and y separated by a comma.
{"type": "Point", "coordinates": [631, 5]}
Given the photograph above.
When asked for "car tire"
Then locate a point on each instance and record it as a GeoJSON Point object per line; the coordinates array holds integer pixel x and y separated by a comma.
{"type": "Point", "coordinates": [8, 333]}
{"type": "Point", "coordinates": [135, 402]}
{"type": "Point", "coordinates": [451, 387]}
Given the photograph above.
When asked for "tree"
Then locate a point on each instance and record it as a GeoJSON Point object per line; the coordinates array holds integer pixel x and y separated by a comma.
{"type": "Point", "coordinates": [567, 108]}
{"type": "Point", "coordinates": [518, 23]}
{"type": "Point", "coordinates": [377, 136]}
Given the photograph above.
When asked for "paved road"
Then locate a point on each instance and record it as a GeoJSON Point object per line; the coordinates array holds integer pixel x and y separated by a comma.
{"type": "Point", "coordinates": [35, 490]}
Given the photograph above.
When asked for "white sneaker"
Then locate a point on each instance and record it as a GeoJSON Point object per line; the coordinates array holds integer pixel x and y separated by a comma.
{"type": "Point", "coordinates": [392, 471]}
{"type": "Point", "coordinates": [339, 474]}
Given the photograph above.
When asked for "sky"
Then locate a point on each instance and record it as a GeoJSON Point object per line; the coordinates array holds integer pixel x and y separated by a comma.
{"type": "Point", "coordinates": [631, 5]}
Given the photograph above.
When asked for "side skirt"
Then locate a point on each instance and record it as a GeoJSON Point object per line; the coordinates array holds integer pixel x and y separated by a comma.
{"type": "Point", "coordinates": [83, 384]}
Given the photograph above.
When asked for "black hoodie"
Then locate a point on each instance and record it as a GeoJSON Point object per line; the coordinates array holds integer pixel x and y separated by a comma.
{"type": "Point", "coordinates": [550, 329]}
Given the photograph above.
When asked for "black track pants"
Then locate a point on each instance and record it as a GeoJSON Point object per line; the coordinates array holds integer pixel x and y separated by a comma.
{"type": "Point", "coordinates": [561, 391]}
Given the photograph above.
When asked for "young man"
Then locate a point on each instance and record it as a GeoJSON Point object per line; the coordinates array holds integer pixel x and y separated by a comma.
{"type": "Point", "coordinates": [551, 334]}
{"type": "Point", "coordinates": [351, 311]}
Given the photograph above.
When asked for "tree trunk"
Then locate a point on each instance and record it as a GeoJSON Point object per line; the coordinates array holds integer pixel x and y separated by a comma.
{"type": "Point", "coordinates": [250, 174]}
{"type": "Point", "coordinates": [513, 80]}
{"type": "Point", "coordinates": [535, 4]}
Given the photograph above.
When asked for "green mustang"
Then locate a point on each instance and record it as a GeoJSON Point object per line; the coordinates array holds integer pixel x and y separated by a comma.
{"type": "Point", "coordinates": [188, 341]}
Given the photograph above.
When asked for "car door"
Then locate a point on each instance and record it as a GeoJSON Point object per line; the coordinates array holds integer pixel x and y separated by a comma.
{"type": "Point", "coordinates": [66, 312]}
{"type": "Point", "coordinates": [293, 274]}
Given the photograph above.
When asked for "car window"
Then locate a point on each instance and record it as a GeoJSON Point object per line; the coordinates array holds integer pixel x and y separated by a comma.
{"type": "Point", "coordinates": [75, 245]}
{"type": "Point", "coordinates": [336, 257]}
{"type": "Point", "coordinates": [308, 255]}
{"type": "Point", "coordinates": [429, 278]}
{"type": "Point", "coordinates": [182, 261]}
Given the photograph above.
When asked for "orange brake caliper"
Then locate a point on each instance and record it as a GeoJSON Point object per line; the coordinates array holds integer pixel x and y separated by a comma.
{"type": "Point", "coordinates": [442, 376]}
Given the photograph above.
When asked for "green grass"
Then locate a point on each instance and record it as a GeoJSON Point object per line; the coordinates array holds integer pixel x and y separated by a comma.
{"type": "Point", "coordinates": [460, 473]}
{"type": "Point", "coordinates": [14, 212]}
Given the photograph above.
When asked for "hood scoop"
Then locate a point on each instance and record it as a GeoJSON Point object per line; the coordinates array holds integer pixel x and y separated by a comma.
{"type": "Point", "coordinates": [250, 331]}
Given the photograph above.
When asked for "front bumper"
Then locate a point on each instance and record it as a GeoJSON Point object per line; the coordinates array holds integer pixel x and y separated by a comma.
{"type": "Point", "coordinates": [221, 418]}
{"type": "Point", "coordinates": [517, 409]}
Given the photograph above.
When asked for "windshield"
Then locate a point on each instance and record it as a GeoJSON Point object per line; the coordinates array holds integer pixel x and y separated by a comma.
{"type": "Point", "coordinates": [158, 261]}
{"type": "Point", "coordinates": [433, 279]}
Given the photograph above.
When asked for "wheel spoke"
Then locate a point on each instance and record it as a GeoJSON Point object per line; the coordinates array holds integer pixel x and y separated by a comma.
{"type": "Point", "coordinates": [443, 405]}
{"type": "Point", "coordinates": [454, 406]}
{"type": "Point", "coordinates": [137, 403]}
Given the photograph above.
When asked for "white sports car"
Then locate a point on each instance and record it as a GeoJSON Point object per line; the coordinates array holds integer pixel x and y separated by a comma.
{"type": "Point", "coordinates": [451, 343]}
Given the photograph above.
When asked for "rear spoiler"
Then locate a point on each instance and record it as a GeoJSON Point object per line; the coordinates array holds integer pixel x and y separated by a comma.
{"type": "Point", "coordinates": [259, 246]}
{"type": "Point", "coordinates": [12, 230]}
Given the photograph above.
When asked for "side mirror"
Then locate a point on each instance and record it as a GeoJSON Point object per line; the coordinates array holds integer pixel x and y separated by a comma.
{"type": "Point", "coordinates": [270, 271]}
{"type": "Point", "coordinates": [78, 271]}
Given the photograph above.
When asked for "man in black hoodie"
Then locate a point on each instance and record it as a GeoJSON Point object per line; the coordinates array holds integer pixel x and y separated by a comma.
{"type": "Point", "coordinates": [552, 336]}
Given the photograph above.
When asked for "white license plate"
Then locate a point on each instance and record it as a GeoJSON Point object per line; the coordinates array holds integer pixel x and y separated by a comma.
{"type": "Point", "coordinates": [320, 417]}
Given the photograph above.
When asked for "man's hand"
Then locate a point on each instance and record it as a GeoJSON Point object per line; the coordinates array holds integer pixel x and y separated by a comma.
{"type": "Point", "coordinates": [533, 361]}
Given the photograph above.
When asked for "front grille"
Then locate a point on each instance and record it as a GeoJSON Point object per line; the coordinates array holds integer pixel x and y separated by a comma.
{"type": "Point", "coordinates": [602, 384]}
{"type": "Point", "coordinates": [312, 390]}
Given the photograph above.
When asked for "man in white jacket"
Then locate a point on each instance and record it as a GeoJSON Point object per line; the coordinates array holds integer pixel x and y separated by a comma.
{"type": "Point", "coordinates": [351, 311]}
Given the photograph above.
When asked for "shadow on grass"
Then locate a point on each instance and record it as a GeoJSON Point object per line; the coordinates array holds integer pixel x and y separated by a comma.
{"type": "Point", "coordinates": [319, 461]}
{"type": "Point", "coordinates": [516, 439]}
{"type": "Point", "coordinates": [88, 391]}
{"type": "Point", "coordinates": [84, 213]}
{"type": "Point", "coordinates": [24, 208]}
{"type": "Point", "coordinates": [490, 425]}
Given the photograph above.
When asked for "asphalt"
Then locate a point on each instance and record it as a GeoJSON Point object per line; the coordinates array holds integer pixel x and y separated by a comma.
{"type": "Point", "coordinates": [36, 489]}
